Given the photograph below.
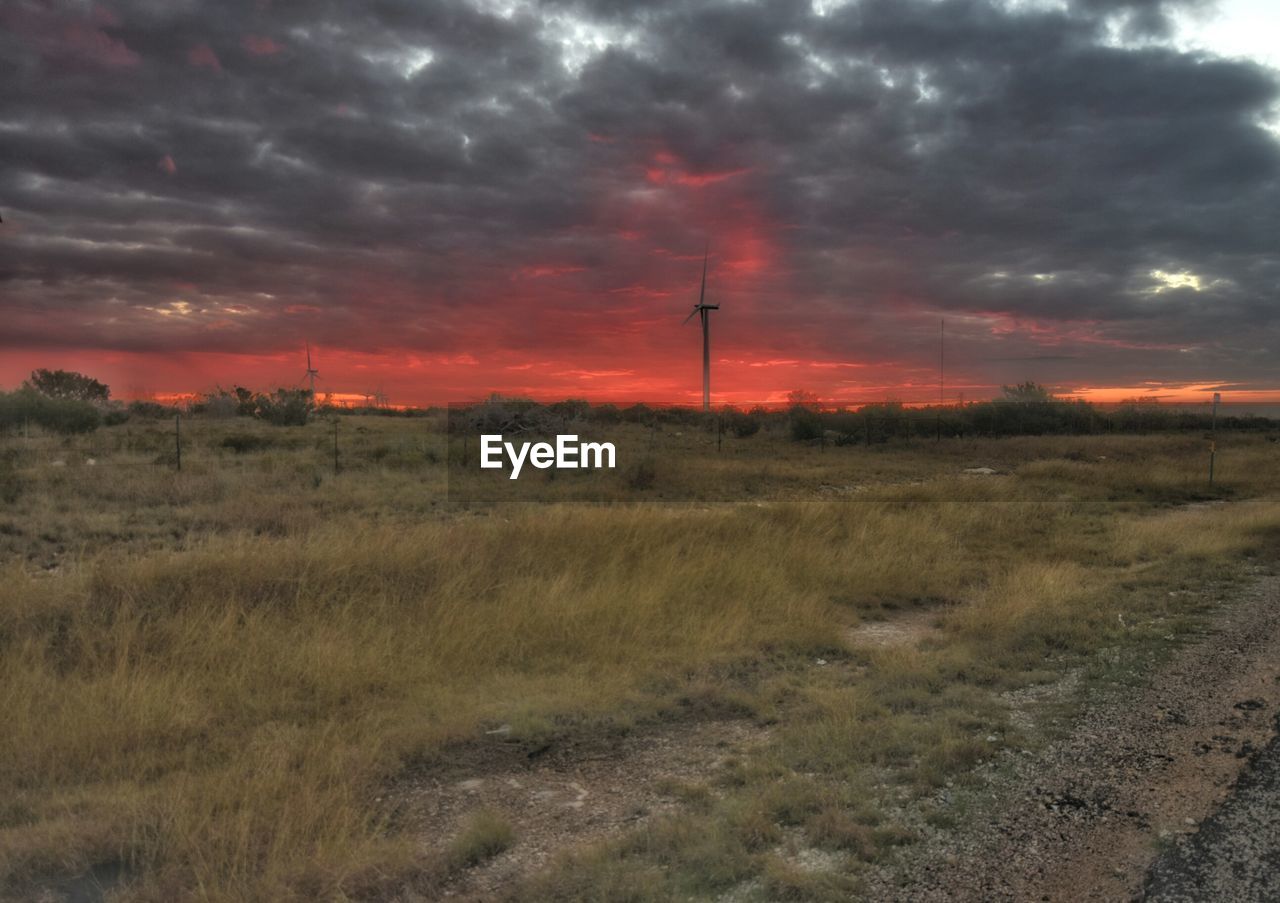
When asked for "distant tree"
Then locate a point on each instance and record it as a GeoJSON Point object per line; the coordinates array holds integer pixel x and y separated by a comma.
{"type": "Point", "coordinates": [802, 398]}
{"type": "Point", "coordinates": [246, 403]}
{"type": "Point", "coordinates": [802, 415]}
{"type": "Point", "coordinates": [68, 385]}
{"type": "Point", "coordinates": [1026, 393]}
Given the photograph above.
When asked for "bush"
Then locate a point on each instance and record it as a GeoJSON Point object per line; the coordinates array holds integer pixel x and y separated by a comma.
{"type": "Point", "coordinates": [58, 415]}
{"type": "Point", "coordinates": [485, 835]}
{"type": "Point", "coordinates": [288, 407]}
{"type": "Point", "coordinates": [642, 476]}
{"type": "Point", "coordinates": [742, 425]}
{"type": "Point", "coordinates": [245, 442]}
{"type": "Point", "coordinates": [10, 483]}
{"type": "Point", "coordinates": [220, 405]}
{"type": "Point", "coordinates": [151, 410]}
{"type": "Point", "coordinates": [806, 425]}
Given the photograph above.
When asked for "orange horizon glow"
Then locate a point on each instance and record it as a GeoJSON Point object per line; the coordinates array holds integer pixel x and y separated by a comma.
{"type": "Point", "coordinates": [406, 379]}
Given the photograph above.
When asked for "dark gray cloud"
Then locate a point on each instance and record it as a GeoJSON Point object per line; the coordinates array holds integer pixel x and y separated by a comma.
{"type": "Point", "coordinates": [1060, 182]}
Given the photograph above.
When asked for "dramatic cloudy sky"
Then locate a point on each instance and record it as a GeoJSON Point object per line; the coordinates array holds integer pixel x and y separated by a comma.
{"type": "Point", "coordinates": [447, 197]}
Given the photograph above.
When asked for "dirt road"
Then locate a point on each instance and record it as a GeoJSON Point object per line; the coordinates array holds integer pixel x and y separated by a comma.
{"type": "Point", "coordinates": [1150, 793]}
{"type": "Point", "coordinates": [1235, 855]}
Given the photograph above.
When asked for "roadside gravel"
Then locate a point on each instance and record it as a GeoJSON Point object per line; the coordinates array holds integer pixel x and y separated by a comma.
{"type": "Point", "coordinates": [1086, 817]}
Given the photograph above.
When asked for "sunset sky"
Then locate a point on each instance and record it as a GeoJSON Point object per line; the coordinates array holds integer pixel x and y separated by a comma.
{"type": "Point", "coordinates": [454, 197]}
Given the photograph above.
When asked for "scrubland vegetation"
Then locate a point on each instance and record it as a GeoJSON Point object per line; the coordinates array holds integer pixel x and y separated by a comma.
{"type": "Point", "coordinates": [210, 678]}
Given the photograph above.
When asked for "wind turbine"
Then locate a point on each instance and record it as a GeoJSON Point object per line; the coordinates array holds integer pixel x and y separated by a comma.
{"type": "Point", "coordinates": [702, 309]}
{"type": "Point", "coordinates": [312, 373]}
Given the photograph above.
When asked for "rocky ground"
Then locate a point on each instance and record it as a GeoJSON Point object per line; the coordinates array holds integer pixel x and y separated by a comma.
{"type": "Point", "coordinates": [1235, 855]}
{"type": "Point", "coordinates": [1151, 792]}
{"type": "Point", "coordinates": [558, 797]}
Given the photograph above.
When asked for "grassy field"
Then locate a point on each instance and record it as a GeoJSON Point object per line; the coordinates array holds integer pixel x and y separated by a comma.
{"type": "Point", "coordinates": [209, 677]}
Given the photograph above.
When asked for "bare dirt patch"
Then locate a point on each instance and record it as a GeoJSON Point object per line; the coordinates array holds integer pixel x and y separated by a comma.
{"type": "Point", "coordinates": [904, 629]}
{"type": "Point", "coordinates": [562, 798]}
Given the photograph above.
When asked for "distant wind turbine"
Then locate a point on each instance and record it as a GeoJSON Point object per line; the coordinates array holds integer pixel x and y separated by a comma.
{"type": "Point", "coordinates": [702, 309]}
{"type": "Point", "coordinates": [312, 372]}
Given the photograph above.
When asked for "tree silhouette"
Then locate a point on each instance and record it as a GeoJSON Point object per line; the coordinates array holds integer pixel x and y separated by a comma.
{"type": "Point", "coordinates": [67, 384]}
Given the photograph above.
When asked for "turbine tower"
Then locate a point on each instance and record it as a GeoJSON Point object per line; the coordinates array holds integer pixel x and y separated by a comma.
{"type": "Point", "coordinates": [702, 309]}
{"type": "Point", "coordinates": [312, 373]}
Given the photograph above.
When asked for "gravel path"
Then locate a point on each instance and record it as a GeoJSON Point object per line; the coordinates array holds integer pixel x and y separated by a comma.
{"type": "Point", "coordinates": [1236, 853]}
{"type": "Point", "coordinates": [1085, 818]}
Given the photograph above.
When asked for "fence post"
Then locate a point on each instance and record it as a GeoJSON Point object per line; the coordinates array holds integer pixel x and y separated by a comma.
{"type": "Point", "coordinates": [1213, 434]}
{"type": "Point", "coordinates": [177, 437]}
{"type": "Point", "coordinates": [335, 445]}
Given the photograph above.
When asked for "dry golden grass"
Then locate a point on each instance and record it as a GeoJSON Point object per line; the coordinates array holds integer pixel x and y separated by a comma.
{"type": "Point", "coordinates": [208, 676]}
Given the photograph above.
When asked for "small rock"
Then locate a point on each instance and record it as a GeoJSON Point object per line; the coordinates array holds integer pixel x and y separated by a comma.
{"type": "Point", "coordinates": [820, 661]}
{"type": "Point", "coordinates": [500, 731]}
{"type": "Point", "coordinates": [471, 784]}
{"type": "Point", "coordinates": [981, 471]}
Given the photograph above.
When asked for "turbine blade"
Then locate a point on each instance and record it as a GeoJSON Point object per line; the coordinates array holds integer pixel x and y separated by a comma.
{"type": "Point", "coordinates": [690, 317]}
